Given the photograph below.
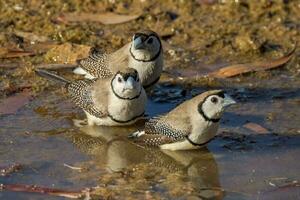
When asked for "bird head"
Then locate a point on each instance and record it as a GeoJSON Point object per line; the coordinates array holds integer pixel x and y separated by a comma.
{"type": "Point", "coordinates": [126, 84]}
{"type": "Point", "coordinates": [146, 45]}
{"type": "Point", "coordinates": [213, 104]}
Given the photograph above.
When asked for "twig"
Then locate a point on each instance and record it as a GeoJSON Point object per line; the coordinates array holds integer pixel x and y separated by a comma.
{"type": "Point", "coordinates": [48, 191]}
{"type": "Point", "coordinates": [283, 187]}
{"type": "Point", "coordinates": [72, 167]}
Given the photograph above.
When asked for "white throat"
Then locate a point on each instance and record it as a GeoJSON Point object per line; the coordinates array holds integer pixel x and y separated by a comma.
{"type": "Point", "coordinates": [202, 130]}
{"type": "Point", "coordinates": [148, 71]}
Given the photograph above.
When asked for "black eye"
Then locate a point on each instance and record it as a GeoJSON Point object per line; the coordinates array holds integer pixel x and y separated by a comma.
{"type": "Point", "coordinates": [119, 79]}
{"type": "Point", "coordinates": [150, 41]}
{"type": "Point", "coordinates": [214, 100]}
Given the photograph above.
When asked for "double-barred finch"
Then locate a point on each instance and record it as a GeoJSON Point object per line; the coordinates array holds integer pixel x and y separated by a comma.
{"type": "Point", "coordinates": [144, 53]}
{"type": "Point", "coordinates": [190, 125]}
{"type": "Point", "coordinates": [116, 101]}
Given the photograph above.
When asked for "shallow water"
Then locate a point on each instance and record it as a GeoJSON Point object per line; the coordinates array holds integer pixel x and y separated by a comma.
{"type": "Point", "coordinates": [238, 164]}
{"type": "Point", "coordinates": [199, 38]}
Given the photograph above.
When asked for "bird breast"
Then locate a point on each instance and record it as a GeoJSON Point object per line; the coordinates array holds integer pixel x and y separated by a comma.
{"type": "Point", "coordinates": [202, 131]}
{"type": "Point", "coordinates": [124, 110]}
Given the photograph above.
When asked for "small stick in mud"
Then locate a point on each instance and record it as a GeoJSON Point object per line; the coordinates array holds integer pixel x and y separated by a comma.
{"type": "Point", "coordinates": [73, 167]}
{"type": "Point", "coordinates": [291, 184]}
{"type": "Point", "coordinates": [48, 191]}
{"type": "Point", "coordinates": [7, 170]}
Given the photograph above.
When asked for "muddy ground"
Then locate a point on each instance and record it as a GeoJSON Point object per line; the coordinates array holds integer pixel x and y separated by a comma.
{"type": "Point", "coordinates": [245, 161]}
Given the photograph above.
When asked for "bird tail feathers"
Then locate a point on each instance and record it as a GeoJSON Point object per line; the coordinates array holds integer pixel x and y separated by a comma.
{"type": "Point", "coordinates": [80, 71]}
{"type": "Point", "coordinates": [51, 76]}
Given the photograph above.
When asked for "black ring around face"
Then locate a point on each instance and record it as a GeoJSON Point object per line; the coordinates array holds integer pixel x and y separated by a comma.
{"type": "Point", "coordinates": [200, 109]}
{"type": "Point", "coordinates": [136, 35]}
{"type": "Point", "coordinates": [124, 98]}
{"type": "Point", "coordinates": [155, 56]}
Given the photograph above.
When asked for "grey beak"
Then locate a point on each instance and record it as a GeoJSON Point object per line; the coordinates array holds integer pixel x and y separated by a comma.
{"type": "Point", "coordinates": [228, 100]}
{"type": "Point", "coordinates": [129, 83]}
{"type": "Point", "coordinates": [138, 43]}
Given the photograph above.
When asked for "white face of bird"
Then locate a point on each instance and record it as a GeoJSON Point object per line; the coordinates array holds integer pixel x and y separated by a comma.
{"type": "Point", "coordinates": [126, 84]}
{"type": "Point", "coordinates": [145, 46]}
{"type": "Point", "coordinates": [213, 105]}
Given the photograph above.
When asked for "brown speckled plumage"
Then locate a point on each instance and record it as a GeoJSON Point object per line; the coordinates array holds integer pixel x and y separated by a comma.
{"type": "Point", "coordinates": [104, 100]}
{"type": "Point", "coordinates": [160, 132]}
{"type": "Point", "coordinates": [154, 140]}
{"type": "Point", "coordinates": [81, 94]}
{"type": "Point", "coordinates": [96, 64]}
{"type": "Point", "coordinates": [148, 61]}
{"type": "Point", "coordinates": [176, 125]}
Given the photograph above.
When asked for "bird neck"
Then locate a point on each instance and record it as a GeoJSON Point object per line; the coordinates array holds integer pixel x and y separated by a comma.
{"type": "Point", "coordinates": [143, 56]}
{"type": "Point", "coordinates": [114, 93]}
{"type": "Point", "coordinates": [149, 72]}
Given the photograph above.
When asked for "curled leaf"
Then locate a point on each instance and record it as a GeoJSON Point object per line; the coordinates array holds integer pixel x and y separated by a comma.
{"type": "Point", "coordinates": [27, 50]}
{"type": "Point", "coordinates": [256, 128]}
{"type": "Point", "coordinates": [7, 53]}
{"type": "Point", "coordinates": [237, 69]}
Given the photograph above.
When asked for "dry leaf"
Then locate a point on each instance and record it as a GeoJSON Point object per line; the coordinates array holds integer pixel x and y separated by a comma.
{"type": "Point", "coordinates": [11, 104]}
{"type": "Point", "coordinates": [256, 128]}
{"type": "Point", "coordinates": [237, 69]}
{"type": "Point", "coordinates": [7, 53]}
{"type": "Point", "coordinates": [47, 191]}
{"type": "Point", "coordinates": [29, 50]}
{"type": "Point", "coordinates": [104, 18]}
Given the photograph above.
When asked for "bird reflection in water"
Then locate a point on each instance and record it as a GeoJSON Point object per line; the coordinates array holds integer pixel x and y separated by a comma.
{"type": "Point", "coordinates": [112, 152]}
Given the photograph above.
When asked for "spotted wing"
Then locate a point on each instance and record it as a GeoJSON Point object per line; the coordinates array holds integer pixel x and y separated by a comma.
{"type": "Point", "coordinates": [96, 64]}
{"type": "Point", "coordinates": [158, 126]}
{"type": "Point", "coordinates": [153, 140]}
{"type": "Point", "coordinates": [80, 93]}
